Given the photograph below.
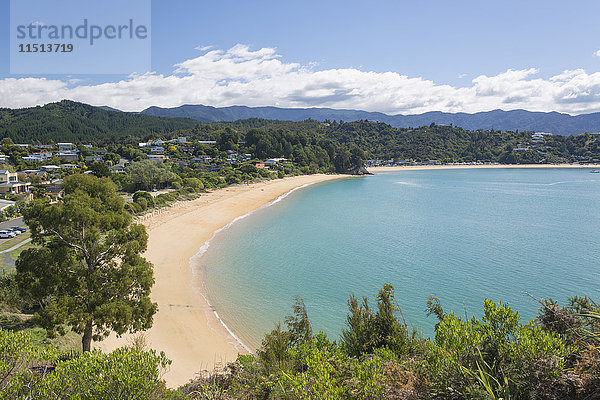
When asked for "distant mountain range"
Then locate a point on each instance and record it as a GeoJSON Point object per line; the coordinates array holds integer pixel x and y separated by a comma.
{"type": "Point", "coordinates": [554, 122]}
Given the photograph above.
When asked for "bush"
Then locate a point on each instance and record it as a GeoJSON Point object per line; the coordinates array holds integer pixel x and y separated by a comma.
{"type": "Point", "coordinates": [137, 196]}
{"type": "Point", "coordinates": [193, 183]}
{"type": "Point", "coordinates": [369, 330]}
{"type": "Point", "coordinates": [22, 365]}
{"type": "Point", "coordinates": [125, 373]}
{"type": "Point", "coordinates": [497, 353]}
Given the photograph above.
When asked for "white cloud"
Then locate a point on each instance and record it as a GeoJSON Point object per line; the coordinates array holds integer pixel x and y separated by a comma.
{"type": "Point", "coordinates": [241, 76]}
{"type": "Point", "coordinates": [597, 53]}
{"type": "Point", "coordinates": [204, 48]}
{"type": "Point", "coordinates": [460, 76]}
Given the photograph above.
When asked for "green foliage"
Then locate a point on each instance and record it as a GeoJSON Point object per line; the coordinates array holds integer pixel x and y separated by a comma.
{"type": "Point", "coordinates": [123, 374]}
{"type": "Point", "coordinates": [147, 197]}
{"type": "Point", "coordinates": [147, 175]}
{"type": "Point", "coordinates": [369, 330]}
{"type": "Point", "coordinates": [87, 271]}
{"type": "Point", "coordinates": [498, 349]}
{"type": "Point", "coordinates": [77, 122]}
{"type": "Point", "coordinates": [328, 374]}
{"type": "Point", "coordinates": [18, 356]}
{"type": "Point", "coordinates": [193, 183]}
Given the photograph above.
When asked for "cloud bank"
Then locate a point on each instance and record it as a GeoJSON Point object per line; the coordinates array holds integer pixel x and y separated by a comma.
{"type": "Point", "coordinates": [241, 76]}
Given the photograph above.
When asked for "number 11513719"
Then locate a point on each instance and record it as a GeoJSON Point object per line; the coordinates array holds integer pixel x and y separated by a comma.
{"type": "Point", "coordinates": [45, 48]}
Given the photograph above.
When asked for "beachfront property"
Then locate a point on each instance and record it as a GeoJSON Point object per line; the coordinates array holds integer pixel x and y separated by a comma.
{"type": "Point", "coordinates": [274, 161]}
{"type": "Point", "coordinates": [9, 183]}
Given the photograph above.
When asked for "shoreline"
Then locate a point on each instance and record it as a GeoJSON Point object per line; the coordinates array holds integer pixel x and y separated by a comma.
{"type": "Point", "coordinates": [186, 327]}
{"type": "Point", "coordinates": [479, 166]}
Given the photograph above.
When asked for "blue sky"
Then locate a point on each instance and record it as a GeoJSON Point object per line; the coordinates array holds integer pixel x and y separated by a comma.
{"type": "Point", "coordinates": [390, 56]}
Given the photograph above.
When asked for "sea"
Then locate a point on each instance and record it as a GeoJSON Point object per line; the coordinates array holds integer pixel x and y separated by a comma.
{"type": "Point", "coordinates": [463, 235]}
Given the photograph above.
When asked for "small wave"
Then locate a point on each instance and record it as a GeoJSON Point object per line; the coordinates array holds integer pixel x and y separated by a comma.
{"type": "Point", "coordinates": [408, 183]}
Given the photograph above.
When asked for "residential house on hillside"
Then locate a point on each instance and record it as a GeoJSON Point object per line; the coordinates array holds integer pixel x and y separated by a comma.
{"type": "Point", "coordinates": [65, 146]}
{"type": "Point", "coordinates": [9, 183]}
{"type": "Point", "coordinates": [69, 155]}
{"type": "Point", "coordinates": [157, 157]}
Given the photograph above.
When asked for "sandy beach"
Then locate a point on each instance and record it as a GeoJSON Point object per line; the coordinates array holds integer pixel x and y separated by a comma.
{"type": "Point", "coordinates": [185, 327]}
{"type": "Point", "coordinates": [375, 170]}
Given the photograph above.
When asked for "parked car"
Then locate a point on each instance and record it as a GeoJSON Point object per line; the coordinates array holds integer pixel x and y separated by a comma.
{"type": "Point", "coordinates": [7, 235]}
{"type": "Point", "coordinates": [15, 230]}
{"type": "Point", "coordinates": [20, 229]}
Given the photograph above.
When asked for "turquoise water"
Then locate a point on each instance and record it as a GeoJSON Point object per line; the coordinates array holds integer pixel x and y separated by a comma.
{"type": "Point", "coordinates": [463, 235]}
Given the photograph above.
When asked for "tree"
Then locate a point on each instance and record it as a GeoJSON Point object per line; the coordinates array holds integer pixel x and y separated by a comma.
{"type": "Point", "coordinates": [87, 272]}
{"type": "Point", "coordinates": [149, 174]}
{"type": "Point", "coordinates": [228, 140]}
{"type": "Point", "coordinates": [100, 169]}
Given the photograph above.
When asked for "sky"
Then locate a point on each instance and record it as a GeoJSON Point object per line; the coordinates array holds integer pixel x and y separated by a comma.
{"type": "Point", "coordinates": [396, 57]}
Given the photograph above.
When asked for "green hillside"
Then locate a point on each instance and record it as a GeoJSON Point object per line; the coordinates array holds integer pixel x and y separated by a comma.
{"type": "Point", "coordinates": [76, 122]}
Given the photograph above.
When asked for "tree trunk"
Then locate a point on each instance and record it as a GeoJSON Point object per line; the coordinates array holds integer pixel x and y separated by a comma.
{"type": "Point", "coordinates": [86, 340]}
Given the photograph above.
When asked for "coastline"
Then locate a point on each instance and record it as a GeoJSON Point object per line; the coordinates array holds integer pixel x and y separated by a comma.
{"type": "Point", "coordinates": [480, 166]}
{"type": "Point", "coordinates": [186, 327]}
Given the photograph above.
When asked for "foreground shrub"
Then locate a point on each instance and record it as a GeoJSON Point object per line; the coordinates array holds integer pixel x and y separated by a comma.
{"type": "Point", "coordinates": [22, 364]}
{"type": "Point", "coordinates": [123, 374]}
{"type": "Point", "coordinates": [499, 356]}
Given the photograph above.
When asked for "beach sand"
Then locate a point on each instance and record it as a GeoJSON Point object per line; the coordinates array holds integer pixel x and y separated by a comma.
{"type": "Point", "coordinates": [185, 327]}
{"type": "Point", "coordinates": [375, 170]}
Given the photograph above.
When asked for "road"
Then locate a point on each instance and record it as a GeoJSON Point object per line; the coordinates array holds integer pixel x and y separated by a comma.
{"type": "Point", "coordinates": [12, 223]}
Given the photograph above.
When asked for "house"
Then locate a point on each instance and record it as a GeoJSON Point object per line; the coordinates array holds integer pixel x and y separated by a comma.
{"type": "Point", "coordinates": [117, 169]}
{"type": "Point", "coordinates": [38, 157]}
{"type": "Point", "coordinates": [50, 168]}
{"type": "Point", "coordinates": [55, 191]}
{"type": "Point", "coordinates": [3, 159]}
{"type": "Point", "coordinates": [157, 157]}
{"type": "Point", "coordinates": [93, 158]}
{"type": "Point", "coordinates": [9, 183]}
{"type": "Point", "coordinates": [210, 142]}
{"type": "Point", "coordinates": [65, 146]}
{"type": "Point", "coordinates": [274, 161]}
{"type": "Point", "coordinates": [180, 163]}
{"type": "Point", "coordinates": [182, 139]}
{"type": "Point", "coordinates": [157, 149]}
{"type": "Point", "coordinates": [71, 155]}
{"type": "Point", "coordinates": [259, 165]}
{"type": "Point", "coordinates": [68, 166]}
{"type": "Point", "coordinates": [201, 159]}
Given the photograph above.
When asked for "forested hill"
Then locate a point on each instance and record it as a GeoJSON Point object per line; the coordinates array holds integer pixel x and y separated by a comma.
{"type": "Point", "coordinates": [77, 122]}
{"type": "Point", "coordinates": [557, 123]}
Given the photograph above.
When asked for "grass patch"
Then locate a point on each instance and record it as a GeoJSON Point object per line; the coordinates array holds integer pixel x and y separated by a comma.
{"type": "Point", "coordinates": [16, 252]}
{"type": "Point", "coordinates": [68, 343]}
{"type": "Point", "coordinates": [15, 241]}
